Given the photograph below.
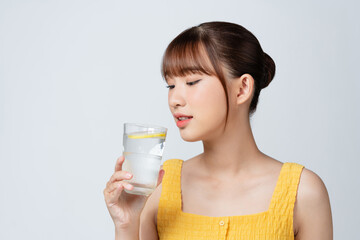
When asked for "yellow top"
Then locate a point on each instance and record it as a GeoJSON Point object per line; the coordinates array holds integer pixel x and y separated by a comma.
{"type": "Point", "coordinates": [275, 223]}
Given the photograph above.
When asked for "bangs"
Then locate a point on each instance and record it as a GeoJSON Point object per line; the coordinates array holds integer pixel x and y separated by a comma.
{"type": "Point", "coordinates": [183, 57]}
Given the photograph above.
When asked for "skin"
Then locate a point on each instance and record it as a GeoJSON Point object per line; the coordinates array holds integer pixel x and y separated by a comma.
{"type": "Point", "coordinates": [232, 176]}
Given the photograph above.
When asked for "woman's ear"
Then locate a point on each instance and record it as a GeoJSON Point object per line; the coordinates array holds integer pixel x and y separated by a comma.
{"type": "Point", "coordinates": [243, 87]}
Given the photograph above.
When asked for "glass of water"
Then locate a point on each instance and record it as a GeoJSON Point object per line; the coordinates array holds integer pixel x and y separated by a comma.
{"type": "Point", "coordinates": [143, 149]}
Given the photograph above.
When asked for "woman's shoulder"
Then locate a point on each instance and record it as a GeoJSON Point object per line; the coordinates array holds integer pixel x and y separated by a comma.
{"type": "Point", "coordinates": [311, 189]}
{"type": "Point", "coordinates": [312, 211]}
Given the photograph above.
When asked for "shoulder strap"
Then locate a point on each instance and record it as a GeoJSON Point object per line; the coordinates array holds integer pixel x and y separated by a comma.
{"type": "Point", "coordinates": [170, 199]}
{"type": "Point", "coordinates": [284, 196]}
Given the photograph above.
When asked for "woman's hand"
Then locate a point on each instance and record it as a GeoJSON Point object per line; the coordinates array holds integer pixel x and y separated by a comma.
{"type": "Point", "coordinates": [124, 208]}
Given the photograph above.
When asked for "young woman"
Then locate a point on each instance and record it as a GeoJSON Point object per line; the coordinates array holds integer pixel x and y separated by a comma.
{"type": "Point", "coordinates": [215, 72]}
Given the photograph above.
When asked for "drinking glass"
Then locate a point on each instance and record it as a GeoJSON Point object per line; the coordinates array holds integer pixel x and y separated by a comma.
{"type": "Point", "coordinates": [143, 146]}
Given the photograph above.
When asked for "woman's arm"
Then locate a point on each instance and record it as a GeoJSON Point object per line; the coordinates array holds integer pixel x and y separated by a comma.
{"type": "Point", "coordinates": [148, 227]}
{"type": "Point", "coordinates": [145, 226]}
{"type": "Point", "coordinates": [312, 210]}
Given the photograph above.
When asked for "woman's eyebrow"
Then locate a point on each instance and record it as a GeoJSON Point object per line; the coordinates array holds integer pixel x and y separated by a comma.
{"type": "Point", "coordinates": [193, 76]}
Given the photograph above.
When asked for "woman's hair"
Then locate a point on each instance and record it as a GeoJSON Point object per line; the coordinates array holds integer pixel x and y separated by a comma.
{"type": "Point", "coordinates": [227, 45]}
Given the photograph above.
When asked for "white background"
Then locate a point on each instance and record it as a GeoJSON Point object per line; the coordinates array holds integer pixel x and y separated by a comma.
{"type": "Point", "coordinates": [72, 72]}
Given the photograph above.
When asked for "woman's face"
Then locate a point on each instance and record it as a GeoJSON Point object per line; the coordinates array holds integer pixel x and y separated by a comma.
{"type": "Point", "coordinates": [201, 97]}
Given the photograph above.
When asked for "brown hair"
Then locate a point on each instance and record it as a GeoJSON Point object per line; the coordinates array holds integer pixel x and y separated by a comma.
{"type": "Point", "coordinates": [227, 45]}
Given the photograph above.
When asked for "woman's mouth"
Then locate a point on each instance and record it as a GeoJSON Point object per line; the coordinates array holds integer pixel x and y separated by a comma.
{"type": "Point", "coordinates": [183, 121]}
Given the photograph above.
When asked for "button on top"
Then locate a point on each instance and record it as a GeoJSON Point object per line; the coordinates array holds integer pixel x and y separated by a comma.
{"type": "Point", "coordinates": [221, 223]}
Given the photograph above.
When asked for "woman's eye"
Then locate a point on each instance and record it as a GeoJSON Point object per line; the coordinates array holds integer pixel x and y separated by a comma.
{"type": "Point", "coordinates": [188, 83]}
{"type": "Point", "coordinates": [194, 82]}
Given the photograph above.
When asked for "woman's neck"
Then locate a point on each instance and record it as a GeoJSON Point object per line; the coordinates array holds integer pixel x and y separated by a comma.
{"type": "Point", "coordinates": [231, 152]}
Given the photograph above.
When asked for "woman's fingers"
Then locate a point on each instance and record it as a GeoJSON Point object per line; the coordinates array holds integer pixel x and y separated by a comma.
{"type": "Point", "coordinates": [114, 186]}
{"type": "Point", "coordinates": [119, 162]}
{"type": "Point", "coordinates": [114, 191]}
{"type": "Point", "coordinates": [112, 197]}
{"type": "Point", "coordinates": [118, 184]}
{"type": "Point", "coordinates": [120, 175]}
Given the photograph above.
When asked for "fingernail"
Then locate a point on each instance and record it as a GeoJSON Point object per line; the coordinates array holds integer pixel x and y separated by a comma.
{"type": "Point", "coordinates": [128, 175]}
{"type": "Point", "coordinates": [128, 186]}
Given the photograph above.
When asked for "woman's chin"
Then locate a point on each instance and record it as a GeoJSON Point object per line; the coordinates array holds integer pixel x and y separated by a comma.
{"type": "Point", "coordinates": [189, 137]}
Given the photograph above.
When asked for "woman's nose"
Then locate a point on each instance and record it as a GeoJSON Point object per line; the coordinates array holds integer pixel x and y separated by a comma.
{"type": "Point", "coordinates": [176, 98]}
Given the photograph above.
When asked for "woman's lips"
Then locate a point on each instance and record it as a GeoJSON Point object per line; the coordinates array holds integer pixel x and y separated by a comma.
{"type": "Point", "coordinates": [183, 123]}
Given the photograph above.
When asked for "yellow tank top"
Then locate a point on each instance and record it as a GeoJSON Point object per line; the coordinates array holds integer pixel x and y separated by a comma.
{"type": "Point", "coordinates": [275, 223]}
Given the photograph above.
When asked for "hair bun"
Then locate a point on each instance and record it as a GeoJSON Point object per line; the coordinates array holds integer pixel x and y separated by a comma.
{"type": "Point", "coordinates": [269, 71]}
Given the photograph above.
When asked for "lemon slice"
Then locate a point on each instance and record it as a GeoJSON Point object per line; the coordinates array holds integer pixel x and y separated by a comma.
{"type": "Point", "coordinates": [148, 135]}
